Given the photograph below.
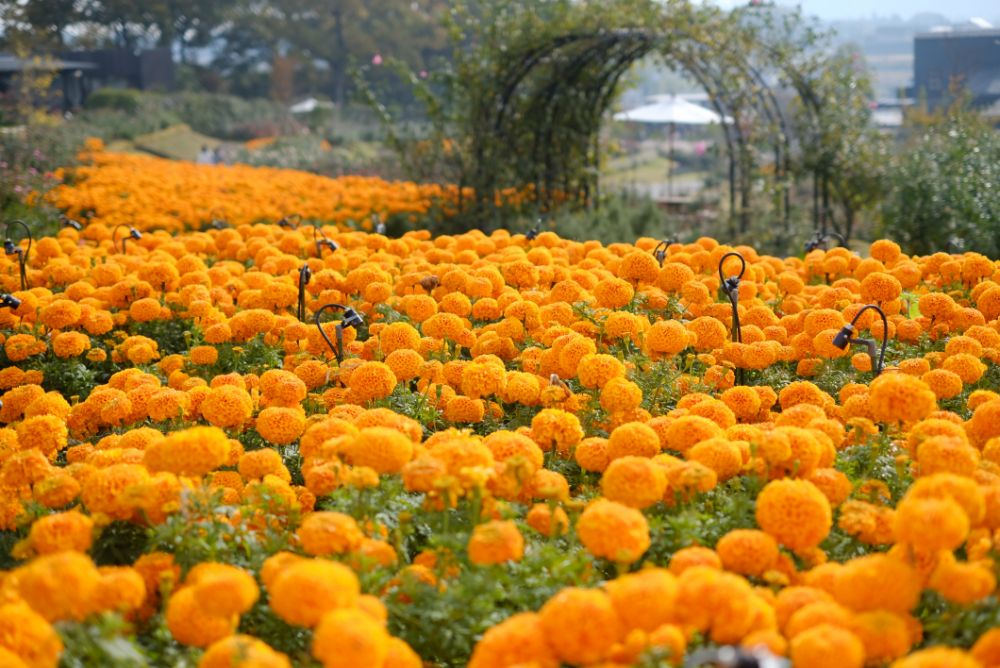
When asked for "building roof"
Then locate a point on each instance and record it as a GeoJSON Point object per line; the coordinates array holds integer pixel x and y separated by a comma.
{"type": "Point", "coordinates": [11, 63]}
{"type": "Point", "coordinates": [960, 33]}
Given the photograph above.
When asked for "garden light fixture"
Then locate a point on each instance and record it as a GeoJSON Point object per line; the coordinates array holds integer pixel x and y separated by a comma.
{"type": "Point", "coordinates": [305, 275]}
{"type": "Point", "coordinates": [731, 286]}
{"type": "Point", "coordinates": [735, 657]}
{"type": "Point", "coordinates": [843, 338]}
{"type": "Point", "coordinates": [69, 222]}
{"type": "Point", "coordinates": [379, 225]}
{"type": "Point", "coordinates": [9, 301]}
{"type": "Point", "coordinates": [820, 239]}
{"type": "Point", "coordinates": [132, 234]}
{"type": "Point", "coordinates": [533, 233]}
{"type": "Point", "coordinates": [660, 252]}
{"type": "Point", "coordinates": [10, 248]}
{"type": "Point", "coordinates": [292, 222]}
{"type": "Point", "coordinates": [351, 319]}
{"type": "Point", "coordinates": [322, 240]}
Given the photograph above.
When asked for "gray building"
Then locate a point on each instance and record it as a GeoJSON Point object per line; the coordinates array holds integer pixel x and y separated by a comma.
{"type": "Point", "coordinates": [968, 60]}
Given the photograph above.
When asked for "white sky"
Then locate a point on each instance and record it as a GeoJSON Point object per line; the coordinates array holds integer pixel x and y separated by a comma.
{"type": "Point", "coordinates": [855, 9]}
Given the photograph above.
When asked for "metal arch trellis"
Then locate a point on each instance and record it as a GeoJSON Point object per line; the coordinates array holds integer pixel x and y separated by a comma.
{"type": "Point", "coordinates": [540, 96]}
{"type": "Point", "coordinates": [553, 140]}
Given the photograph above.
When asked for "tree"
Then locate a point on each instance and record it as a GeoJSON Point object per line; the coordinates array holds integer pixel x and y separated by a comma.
{"type": "Point", "coordinates": [943, 187]}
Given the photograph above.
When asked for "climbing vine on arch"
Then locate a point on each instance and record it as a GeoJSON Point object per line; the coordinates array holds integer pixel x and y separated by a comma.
{"type": "Point", "coordinates": [514, 116]}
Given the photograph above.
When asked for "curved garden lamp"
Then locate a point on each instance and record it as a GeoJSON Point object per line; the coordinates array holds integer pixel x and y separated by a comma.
{"type": "Point", "coordinates": [322, 240]}
{"type": "Point", "coordinates": [820, 239]}
{"type": "Point", "coordinates": [351, 319]}
{"type": "Point", "coordinates": [66, 221]}
{"type": "Point", "coordinates": [379, 225]}
{"type": "Point", "coordinates": [843, 338]}
{"type": "Point", "coordinates": [293, 221]}
{"type": "Point", "coordinates": [132, 234]}
{"type": "Point", "coordinates": [9, 301]}
{"type": "Point", "coordinates": [10, 248]}
{"type": "Point", "coordinates": [218, 221]}
{"type": "Point", "coordinates": [660, 252]}
{"type": "Point", "coordinates": [305, 275]}
{"type": "Point", "coordinates": [731, 286]}
{"type": "Point", "coordinates": [533, 233]}
{"type": "Point", "coordinates": [728, 656]}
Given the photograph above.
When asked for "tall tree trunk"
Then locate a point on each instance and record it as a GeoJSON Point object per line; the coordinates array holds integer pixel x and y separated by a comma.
{"type": "Point", "coordinates": [339, 66]}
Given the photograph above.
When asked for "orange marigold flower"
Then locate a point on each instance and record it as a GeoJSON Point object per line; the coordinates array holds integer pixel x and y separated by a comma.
{"type": "Point", "coordinates": [931, 525]}
{"type": "Point", "coordinates": [192, 452]}
{"type": "Point", "coordinates": [241, 651]}
{"type": "Point", "coordinates": [495, 542]}
{"type": "Point", "coordinates": [280, 425]}
{"type": "Point", "coordinates": [613, 531]}
{"type": "Point", "coordinates": [897, 397]}
{"type": "Point", "coordinates": [644, 600]}
{"type": "Point", "coordinates": [59, 586]}
{"type": "Point", "coordinates": [581, 625]}
{"type": "Point", "coordinates": [190, 624]}
{"type": "Point", "coordinates": [227, 406]}
{"type": "Point", "coordinates": [556, 428]}
{"type": "Point", "coordinates": [877, 582]}
{"type": "Point", "coordinates": [46, 433]}
{"type": "Point", "coordinates": [328, 532]}
{"type": "Point", "coordinates": [350, 637]}
{"type": "Point", "coordinates": [71, 530]}
{"type": "Point", "coordinates": [594, 371]}
{"type": "Point", "coordinates": [633, 439]}
{"type": "Point", "coordinates": [620, 396]}
{"type": "Point", "coordinates": [747, 551]}
{"type": "Point", "coordinates": [795, 512]}
{"type": "Point", "coordinates": [637, 482]}
{"type": "Point", "coordinates": [28, 636]}
{"type": "Point", "coordinates": [305, 589]}
{"type": "Point", "coordinates": [827, 646]}
{"type": "Point", "coordinates": [519, 639]}
{"type": "Point", "coordinates": [223, 590]}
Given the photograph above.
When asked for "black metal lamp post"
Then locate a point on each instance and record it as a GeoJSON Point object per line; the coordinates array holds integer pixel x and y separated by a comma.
{"type": "Point", "coordinates": [820, 239]}
{"type": "Point", "coordinates": [844, 339]}
{"type": "Point", "coordinates": [351, 319]}
{"type": "Point", "coordinates": [10, 248]}
{"type": "Point", "coordinates": [132, 234]}
{"type": "Point", "coordinates": [305, 275]}
{"type": "Point", "coordinates": [731, 286]}
{"type": "Point", "coordinates": [321, 240]}
{"type": "Point", "coordinates": [9, 301]}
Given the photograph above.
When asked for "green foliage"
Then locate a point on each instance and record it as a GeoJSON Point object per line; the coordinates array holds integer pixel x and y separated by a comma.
{"type": "Point", "coordinates": [119, 544]}
{"type": "Point", "coordinates": [446, 623]}
{"type": "Point", "coordinates": [205, 530]}
{"type": "Point", "coordinates": [953, 624]}
{"type": "Point", "coordinates": [876, 460]}
{"type": "Point", "coordinates": [703, 520]}
{"type": "Point", "coordinates": [117, 99]}
{"type": "Point", "coordinates": [943, 193]}
{"type": "Point", "coordinates": [619, 218]}
{"type": "Point", "coordinates": [101, 642]}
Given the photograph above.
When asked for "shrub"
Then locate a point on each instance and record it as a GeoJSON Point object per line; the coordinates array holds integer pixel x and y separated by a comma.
{"type": "Point", "coordinates": [943, 193]}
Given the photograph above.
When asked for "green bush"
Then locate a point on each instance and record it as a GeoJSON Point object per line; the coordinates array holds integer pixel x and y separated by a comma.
{"type": "Point", "coordinates": [943, 193]}
{"type": "Point", "coordinates": [120, 99]}
{"type": "Point", "coordinates": [229, 117]}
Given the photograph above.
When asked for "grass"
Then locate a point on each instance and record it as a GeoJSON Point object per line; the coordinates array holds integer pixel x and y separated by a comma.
{"type": "Point", "coordinates": [178, 142]}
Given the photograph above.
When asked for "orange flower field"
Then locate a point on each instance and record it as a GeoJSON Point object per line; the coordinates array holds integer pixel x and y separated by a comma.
{"type": "Point", "coordinates": [532, 452]}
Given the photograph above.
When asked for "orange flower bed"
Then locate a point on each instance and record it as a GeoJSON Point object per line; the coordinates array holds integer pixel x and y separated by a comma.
{"type": "Point", "coordinates": [492, 451]}
{"type": "Point", "coordinates": [153, 193]}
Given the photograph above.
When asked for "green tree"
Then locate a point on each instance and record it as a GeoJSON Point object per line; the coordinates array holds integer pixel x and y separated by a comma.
{"type": "Point", "coordinates": [943, 193]}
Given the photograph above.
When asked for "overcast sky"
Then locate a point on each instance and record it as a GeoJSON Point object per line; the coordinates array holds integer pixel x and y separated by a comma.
{"type": "Point", "coordinates": [851, 9]}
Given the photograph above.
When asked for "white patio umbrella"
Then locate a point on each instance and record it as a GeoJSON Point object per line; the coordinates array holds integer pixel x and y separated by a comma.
{"type": "Point", "coordinates": [671, 110]}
